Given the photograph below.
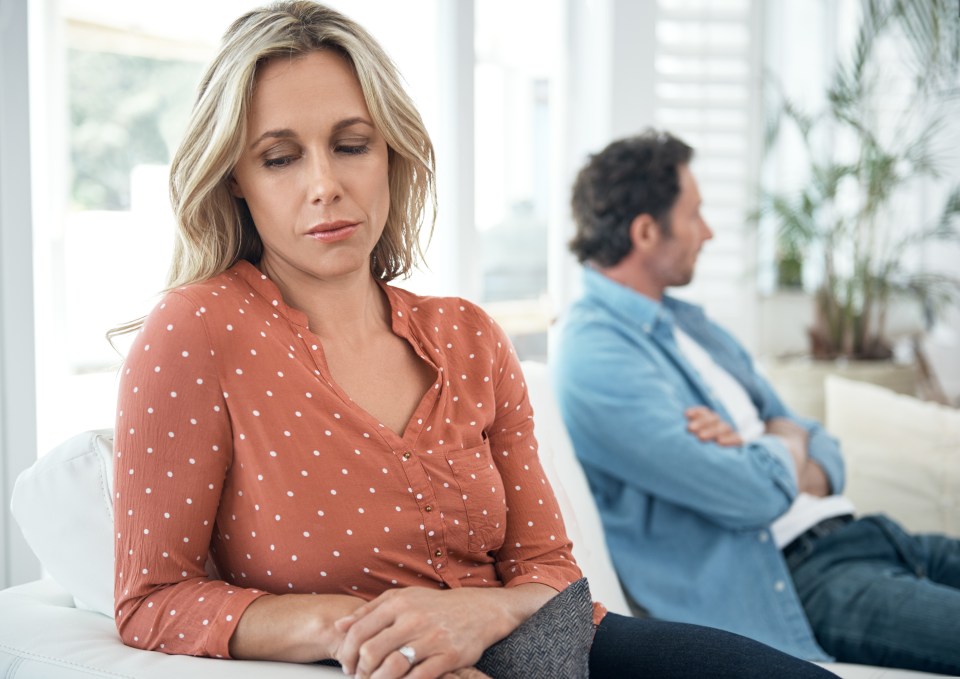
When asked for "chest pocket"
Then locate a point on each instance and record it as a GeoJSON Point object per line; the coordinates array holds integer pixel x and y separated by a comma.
{"type": "Point", "coordinates": [481, 490]}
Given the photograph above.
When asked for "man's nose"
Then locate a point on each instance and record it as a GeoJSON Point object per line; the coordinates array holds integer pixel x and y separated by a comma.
{"type": "Point", "coordinates": [705, 230]}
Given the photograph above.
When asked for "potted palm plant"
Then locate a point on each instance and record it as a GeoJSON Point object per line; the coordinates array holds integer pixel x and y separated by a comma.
{"type": "Point", "coordinates": [866, 149]}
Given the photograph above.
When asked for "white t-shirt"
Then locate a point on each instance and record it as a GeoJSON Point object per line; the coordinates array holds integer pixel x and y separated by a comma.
{"type": "Point", "coordinates": [806, 510]}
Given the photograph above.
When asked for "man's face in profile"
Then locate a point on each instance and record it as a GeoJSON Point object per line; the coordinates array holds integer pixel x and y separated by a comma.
{"type": "Point", "coordinates": [675, 258]}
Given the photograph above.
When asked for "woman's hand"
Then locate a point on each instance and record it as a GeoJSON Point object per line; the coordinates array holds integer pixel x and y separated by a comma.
{"type": "Point", "coordinates": [447, 629]}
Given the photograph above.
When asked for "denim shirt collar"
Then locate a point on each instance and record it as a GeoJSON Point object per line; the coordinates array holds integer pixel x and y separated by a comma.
{"type": "Point", "coordinates": [644, 314]}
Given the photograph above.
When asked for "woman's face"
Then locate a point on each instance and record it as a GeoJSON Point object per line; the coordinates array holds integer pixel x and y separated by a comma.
{"type": "Point", "coordinates": [313, 170]}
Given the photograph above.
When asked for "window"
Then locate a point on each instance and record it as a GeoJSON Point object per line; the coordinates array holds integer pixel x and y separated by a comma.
{"type": "Point", "coordinates": [117, 84]}
{"type": "Point", "coordinates": [515, 100]}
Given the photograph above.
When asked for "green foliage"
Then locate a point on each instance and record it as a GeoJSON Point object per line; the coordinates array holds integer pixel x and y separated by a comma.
{"type": "Point", "coordinates": [846, 213]}
{"type": "Point", "coordinates": [124, 111]}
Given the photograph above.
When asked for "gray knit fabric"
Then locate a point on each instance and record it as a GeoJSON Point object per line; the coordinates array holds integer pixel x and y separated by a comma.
{"type": "Point", "coordinates": [553, 643]}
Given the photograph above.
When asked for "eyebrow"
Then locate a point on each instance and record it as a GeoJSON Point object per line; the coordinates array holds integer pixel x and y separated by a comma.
{"type": "Point", "coordinates": [287, 133]}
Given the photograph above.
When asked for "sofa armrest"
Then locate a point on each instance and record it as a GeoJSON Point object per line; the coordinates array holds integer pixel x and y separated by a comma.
{"type": "Point", "coordinates": [42, 635]}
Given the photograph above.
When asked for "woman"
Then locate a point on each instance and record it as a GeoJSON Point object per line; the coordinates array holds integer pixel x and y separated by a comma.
{"type": "Point", "coordinates": [344, 450]}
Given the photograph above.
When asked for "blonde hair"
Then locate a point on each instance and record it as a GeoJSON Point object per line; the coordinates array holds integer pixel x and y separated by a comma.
{"type": "Point", "coordinates": [215, 229]}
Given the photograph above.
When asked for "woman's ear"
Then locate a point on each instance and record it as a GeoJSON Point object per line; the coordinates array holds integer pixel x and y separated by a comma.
{"type": "Point", "coordinates": [644, 232]}
{"type": "Point", "coordinates": [234, 187]}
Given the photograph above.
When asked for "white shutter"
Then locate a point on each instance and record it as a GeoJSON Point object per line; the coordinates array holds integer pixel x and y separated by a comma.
{"type": "Point", "coordinates": [707, 92]}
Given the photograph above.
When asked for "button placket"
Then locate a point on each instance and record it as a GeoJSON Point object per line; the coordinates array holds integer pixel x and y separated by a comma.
{"type": "Point", "coordinates": [426, 500]}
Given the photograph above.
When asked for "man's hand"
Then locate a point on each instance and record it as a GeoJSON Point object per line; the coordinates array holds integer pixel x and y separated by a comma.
{"type": "Point", "coordinates": [810, 475]}
{"type": "Point", "coordinates": [813, 480]}
{"type": "Point", "coordinates": [708, 426]}
{"type": "Point", "coordinates": [794, 437]}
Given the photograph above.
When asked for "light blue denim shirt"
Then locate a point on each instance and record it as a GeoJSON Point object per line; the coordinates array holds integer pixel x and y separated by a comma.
{"type": "Point", "coordinates": [687, 522]}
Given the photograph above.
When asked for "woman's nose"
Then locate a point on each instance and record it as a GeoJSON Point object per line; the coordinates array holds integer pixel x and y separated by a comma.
{"type": "Point", "coordinates": [325, 185]}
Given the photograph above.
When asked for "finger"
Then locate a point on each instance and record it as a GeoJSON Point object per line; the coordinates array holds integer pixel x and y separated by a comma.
{"type": "Point", "coordinates": [380, 647]}
{"type": "Point", "coordinates": [466, 673]}
{"type": "Point", "coordinates": [360, 632]}
{"type": "Point", "coordinates": [436, 666]}
{"type": "Point", "coordinates": [344, 623]}
{"type": "Point", "coordinates": [696, 411]}
{"type": "Point", "coordinates": [710, 431]}
{"type": "Point", "coordinates": [394, 665]}
{"type": "Point", "coordinates": [730, 438]}
{"type": "Point", "coordinates": [704, 428]}
{"type": "Point", "coordinates": [700, 420]}
{"type": "Point", "coordinates": [375, 615]}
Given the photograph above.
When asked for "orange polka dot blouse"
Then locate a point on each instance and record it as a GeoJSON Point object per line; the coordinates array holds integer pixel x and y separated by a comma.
{"type": "Point", "coordinates": [233, 440]}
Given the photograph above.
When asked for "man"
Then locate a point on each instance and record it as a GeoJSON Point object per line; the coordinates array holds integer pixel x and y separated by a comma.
{"type": "Point", "coordinates": [720, 506]}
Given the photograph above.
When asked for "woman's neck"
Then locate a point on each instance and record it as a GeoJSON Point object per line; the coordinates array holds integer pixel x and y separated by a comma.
{"type": "Point", "coordinates": [345, 308]}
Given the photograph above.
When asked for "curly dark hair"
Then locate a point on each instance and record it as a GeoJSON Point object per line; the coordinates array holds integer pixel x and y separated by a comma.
{"type": "Point", "coordinates": [630, 177]}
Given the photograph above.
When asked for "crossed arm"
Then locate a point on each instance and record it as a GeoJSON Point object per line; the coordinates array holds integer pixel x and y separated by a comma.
{"type": "Point", "coordinates": [708, 426]}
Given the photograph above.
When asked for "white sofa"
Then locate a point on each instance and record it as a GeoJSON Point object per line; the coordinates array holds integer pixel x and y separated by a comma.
{"type": "Point", "coordinates": [60, 627]}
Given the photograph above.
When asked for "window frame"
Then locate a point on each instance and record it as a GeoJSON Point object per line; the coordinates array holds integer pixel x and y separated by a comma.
{"type": "Point", "coordinates": [17, 360]}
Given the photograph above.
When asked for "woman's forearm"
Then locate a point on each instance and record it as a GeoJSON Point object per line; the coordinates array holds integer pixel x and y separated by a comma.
{"type": "Point", "coordinates": [522, 601]}
{"type": "Point", "coordinates": [299, 627]}
{"type": "Point", "coordinates": [291, 627]}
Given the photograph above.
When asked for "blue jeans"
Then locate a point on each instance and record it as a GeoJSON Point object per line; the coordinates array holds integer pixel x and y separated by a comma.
{"type": "Point", "coordinates": [877, 595]}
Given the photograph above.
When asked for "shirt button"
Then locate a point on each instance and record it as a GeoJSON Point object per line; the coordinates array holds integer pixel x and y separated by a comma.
{"type": "Point", "coordinates": [428, 508]}
{"type": "Point", "coordinates": [438, 553]}
{"type": "Point", "coordinates": [779, 585]}
{"type": "Point", "coordinates": [763, 537]}
{"type": "Point", "coordinates": [406, 456]}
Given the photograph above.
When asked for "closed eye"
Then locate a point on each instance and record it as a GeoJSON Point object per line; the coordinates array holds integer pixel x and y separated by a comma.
{"type": "Point", "coordinates": [351, 149]}
{"type": "Point", "coordinates": [282, 161]}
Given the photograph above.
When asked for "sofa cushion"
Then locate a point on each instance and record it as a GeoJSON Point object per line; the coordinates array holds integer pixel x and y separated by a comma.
{"type": "Point", "coordinates": [902, 454]}
{"type": "Point", "coordinates": [64, 506]}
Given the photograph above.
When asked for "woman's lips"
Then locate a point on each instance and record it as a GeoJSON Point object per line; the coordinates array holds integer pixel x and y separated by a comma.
{"type": "Point", "coordinates": [332, 232]}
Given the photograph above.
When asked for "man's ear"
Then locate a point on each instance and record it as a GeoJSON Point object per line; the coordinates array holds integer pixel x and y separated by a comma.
{"type": "Point", "coordinates": [234, 187]}
{"type": "Point", "coordinates": [644, 232]}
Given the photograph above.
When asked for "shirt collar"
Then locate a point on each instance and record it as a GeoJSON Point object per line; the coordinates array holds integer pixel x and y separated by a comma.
{"type": "Point", "coordinates": [268, 290]}
{"type": "Point", "coordinates": [635, 309]}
